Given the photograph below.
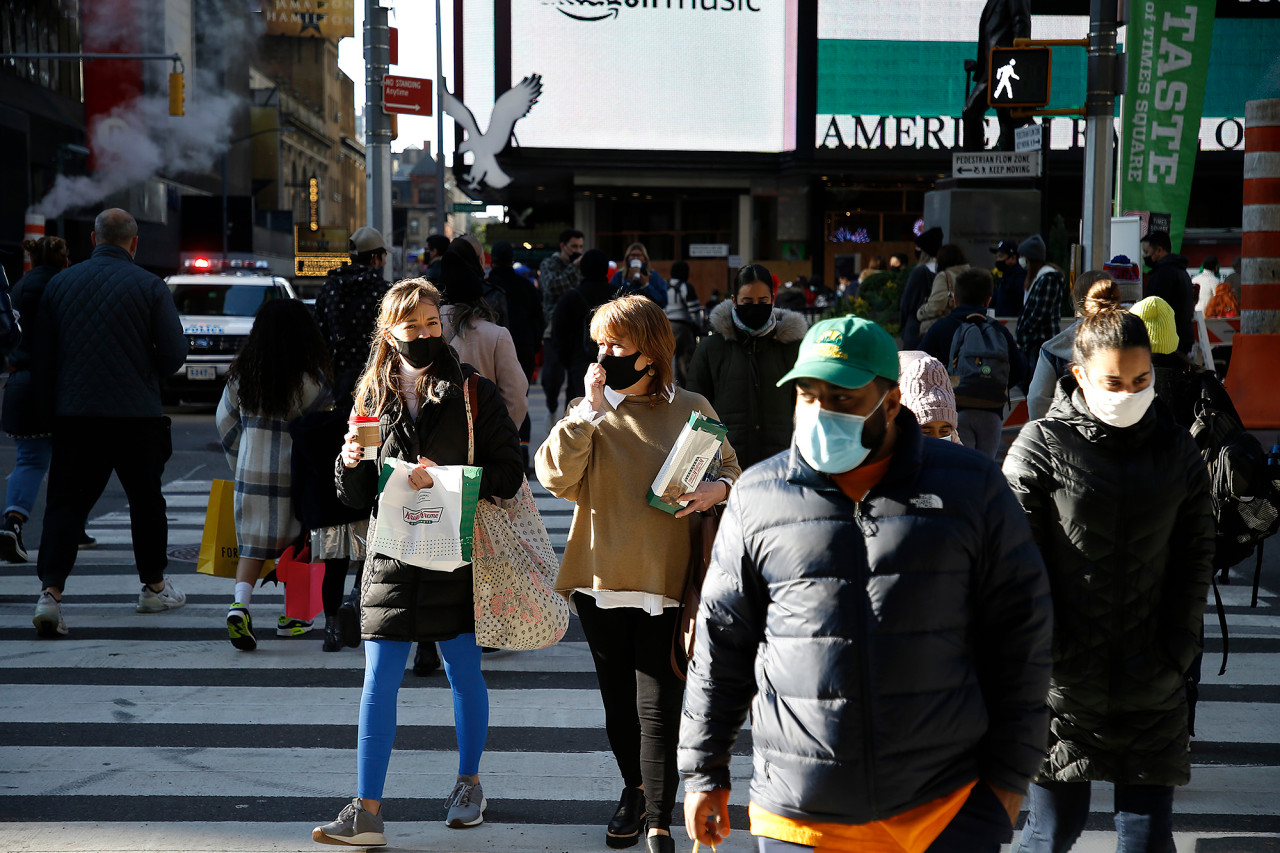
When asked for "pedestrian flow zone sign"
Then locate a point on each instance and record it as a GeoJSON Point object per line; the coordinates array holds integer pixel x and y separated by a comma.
{"type": "Point", "coordinates": [1019, 77]}
{"type": "Point", "coordinates": [995, 164]}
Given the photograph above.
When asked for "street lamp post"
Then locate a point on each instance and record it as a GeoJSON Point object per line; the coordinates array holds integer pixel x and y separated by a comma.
{"type": "Point", "coordinates": [225, 224]}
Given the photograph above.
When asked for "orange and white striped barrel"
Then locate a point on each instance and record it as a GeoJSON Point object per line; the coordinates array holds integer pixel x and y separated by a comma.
{"type": "Point", "coordinates": [1255, 359]}
{"type": "Point", "coordinates": [1260, 273]}
{"type": "Point", "coordinates": [33, 230]}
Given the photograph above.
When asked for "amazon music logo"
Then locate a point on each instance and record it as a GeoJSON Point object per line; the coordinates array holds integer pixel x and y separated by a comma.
{"type": "Point", "coordinates": [603, 10]}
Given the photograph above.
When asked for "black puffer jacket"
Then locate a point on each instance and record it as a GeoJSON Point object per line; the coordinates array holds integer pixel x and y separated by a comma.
{"type": "Point", "coordinates": [1123, 519]}
{"type": "Point", "coordinates": [403, 602]}
{"type": "Point", "coordinates": [896, 648]}
{"type": "Point", "coordinates": [109, 333]}
{"type": "Point", "coordinates": [738, 374]}
{"type": "Point", "coordinates": [23, 415]}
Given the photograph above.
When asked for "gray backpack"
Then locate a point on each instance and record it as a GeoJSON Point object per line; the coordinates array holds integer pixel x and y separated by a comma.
{"type": "Point", "coordinates": [979, 364]}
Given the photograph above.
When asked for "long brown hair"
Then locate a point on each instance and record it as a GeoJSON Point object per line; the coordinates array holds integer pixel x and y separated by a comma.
{"type": "Point", "coordinates": [378, 385]}
{"type": "Point", "coordinates": [641, 321]}
{"type": "Point", "coordinates": [284, 348]}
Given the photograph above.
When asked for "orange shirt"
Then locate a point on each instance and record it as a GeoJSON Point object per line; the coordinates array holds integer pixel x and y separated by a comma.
{"type": "Point", "coordinates": [910, 832]}
{"type": "Point", "coordinates": [860, 480]}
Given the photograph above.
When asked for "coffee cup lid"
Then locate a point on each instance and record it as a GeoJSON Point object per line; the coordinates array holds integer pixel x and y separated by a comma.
{"type": "Point", "coordinates": [362, 419]}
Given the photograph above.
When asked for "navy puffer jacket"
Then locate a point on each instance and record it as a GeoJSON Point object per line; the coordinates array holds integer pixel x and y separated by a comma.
{"type": "Point", "coordinates": [109, 333]}
{"type": "Point", "coordinates": [1124, 521]}
{"type": "Point", "coordinates": [896, 648]}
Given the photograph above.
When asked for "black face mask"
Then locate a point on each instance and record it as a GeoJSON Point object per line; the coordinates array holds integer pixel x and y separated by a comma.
{"type": "Point", "coordinates": [620, 370]}
{"type": "Point", "coordinates": [1148, 263]}
{"type": "Point", "coordinates": [754, 316]}
{"type": "Point", "coordinates": [420, 352]}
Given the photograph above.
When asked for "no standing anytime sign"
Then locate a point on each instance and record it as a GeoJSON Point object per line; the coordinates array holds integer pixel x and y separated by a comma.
{"type": "Point", "coordinates": [408, 95]}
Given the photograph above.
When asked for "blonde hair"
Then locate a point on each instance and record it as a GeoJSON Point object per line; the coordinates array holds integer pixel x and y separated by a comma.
{"type": "Point", "coordinates": [641, 321]}
{"type": "Point", "coordinates": [378, 383]}
{"type": "Point", "coordinates": [643, 251]}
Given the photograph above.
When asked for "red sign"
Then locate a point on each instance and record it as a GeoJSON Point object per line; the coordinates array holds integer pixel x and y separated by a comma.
{"type": "Point", "coordinates": [408, 95]}
{"type": "Point", "coordinates": [393, 41]}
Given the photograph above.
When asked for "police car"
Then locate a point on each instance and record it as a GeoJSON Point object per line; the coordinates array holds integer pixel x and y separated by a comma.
{"type": "Point", "coordinates": [217, 302]}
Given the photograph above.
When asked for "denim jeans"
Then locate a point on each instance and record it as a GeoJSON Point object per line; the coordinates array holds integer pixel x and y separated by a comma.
{"type": "Point", "coordinates": [28, 473]}
{"type": "Point", "coordinates": [1057, 812]}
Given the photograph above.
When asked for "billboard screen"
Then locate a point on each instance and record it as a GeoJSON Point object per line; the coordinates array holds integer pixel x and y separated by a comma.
{"type": "Point", "coordinates": [668, 75]}
{"type": "Point", "coordinates": [891, 74]}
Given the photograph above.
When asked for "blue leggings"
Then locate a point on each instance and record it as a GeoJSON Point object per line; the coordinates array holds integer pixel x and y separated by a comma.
{"type": "Point", "coordinates": [384, 663]}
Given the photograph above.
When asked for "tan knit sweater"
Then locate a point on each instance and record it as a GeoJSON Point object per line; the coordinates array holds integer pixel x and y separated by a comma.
{"type": "Point", "coordinates": [617, 541]}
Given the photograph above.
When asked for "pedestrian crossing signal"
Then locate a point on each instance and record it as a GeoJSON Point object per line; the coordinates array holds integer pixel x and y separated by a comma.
{"type": "Point", "coordinates": [177, 106]}
{"type": "Point", "coordinates": [1019, 77]}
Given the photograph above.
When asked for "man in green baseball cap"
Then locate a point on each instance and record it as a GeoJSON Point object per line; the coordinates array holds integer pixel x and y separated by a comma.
{"type": "Point", "coordinates": [847, 395]}
{"type": "Point", "coordinates": [879, 601]}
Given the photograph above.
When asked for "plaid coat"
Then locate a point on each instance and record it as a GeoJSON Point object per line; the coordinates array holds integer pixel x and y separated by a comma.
{"type": "Point", "coordinates": [258, 450]}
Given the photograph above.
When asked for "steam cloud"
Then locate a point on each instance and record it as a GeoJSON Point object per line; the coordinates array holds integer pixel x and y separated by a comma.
{"type": "Point", "coordinates": [139, 139]}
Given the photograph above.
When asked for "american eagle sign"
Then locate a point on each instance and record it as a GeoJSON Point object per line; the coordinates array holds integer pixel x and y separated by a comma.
{"type": "Point", "coordinates": [484, 172]}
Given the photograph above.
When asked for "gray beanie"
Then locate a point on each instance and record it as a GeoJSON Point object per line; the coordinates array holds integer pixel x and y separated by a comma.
{"type": "Point", "coordinates": [1033, 247]}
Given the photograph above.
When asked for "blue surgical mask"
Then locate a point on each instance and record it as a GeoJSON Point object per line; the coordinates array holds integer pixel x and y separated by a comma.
{"type": "Point", "coordinates": [831, 442]}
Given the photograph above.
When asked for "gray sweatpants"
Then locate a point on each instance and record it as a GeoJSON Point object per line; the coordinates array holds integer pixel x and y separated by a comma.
{"type": "Point", "coordinates": [980, 429]}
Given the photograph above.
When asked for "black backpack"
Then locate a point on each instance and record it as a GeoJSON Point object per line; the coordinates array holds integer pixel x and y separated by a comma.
{"type": "Point", "coordinates": [1246, 498]}
{"type": "Point", "coordinates": [979, 363]}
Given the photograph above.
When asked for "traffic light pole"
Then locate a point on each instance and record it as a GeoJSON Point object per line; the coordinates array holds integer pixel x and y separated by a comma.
{"type": "Point", "coordinates": [441, 210]}
{"type": "Point", "coordinates": [377, 125]}
{"type": "Point", "coordinates": [1100, 112]}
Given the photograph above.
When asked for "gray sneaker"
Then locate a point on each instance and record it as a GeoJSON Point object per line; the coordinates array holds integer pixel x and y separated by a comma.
{"type": "Point", "coordinates": [48, 618]}
{"type": "Point", "coordinates": [466, 804]}
{"type": "Point", "coordinates": [354, 827]}
{"type": "Point", "coordinates": [150, 601]}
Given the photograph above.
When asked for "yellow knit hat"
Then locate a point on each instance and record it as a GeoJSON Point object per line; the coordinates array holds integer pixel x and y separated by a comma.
{"type": "Point", "coordinates": [1161, 326]}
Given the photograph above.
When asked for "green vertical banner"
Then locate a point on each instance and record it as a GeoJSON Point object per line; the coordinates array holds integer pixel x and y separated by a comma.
{"type": "Point", "coordinates": [1167, 46]}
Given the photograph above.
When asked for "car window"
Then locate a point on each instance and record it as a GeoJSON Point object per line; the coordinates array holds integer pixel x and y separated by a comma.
{"type": "Point", "coordinates": [228, 300]}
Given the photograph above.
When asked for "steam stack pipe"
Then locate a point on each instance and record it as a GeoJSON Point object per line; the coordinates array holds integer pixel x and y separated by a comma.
{"type": "Point", "coordinates": [33, 230]}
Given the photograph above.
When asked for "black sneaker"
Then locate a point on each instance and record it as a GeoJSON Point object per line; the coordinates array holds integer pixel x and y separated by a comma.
{"type": "Point", "coordinates": [86, 542]}
{"type": "Point", "coordinates": [11, 547]}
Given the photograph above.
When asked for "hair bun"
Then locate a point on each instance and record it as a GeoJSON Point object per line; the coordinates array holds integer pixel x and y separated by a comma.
{"type": "Point", "coordinates": [30, 245]}
{"type": "Point", "coordinates": [1102, 296]}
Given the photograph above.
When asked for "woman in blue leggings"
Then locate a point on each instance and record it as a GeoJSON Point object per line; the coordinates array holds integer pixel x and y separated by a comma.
{"type": "Point", "coordinates": [431, 411]}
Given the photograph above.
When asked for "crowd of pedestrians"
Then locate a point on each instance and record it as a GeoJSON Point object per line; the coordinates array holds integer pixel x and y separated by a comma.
{"type": "Point", "coordinates": [924, 638]}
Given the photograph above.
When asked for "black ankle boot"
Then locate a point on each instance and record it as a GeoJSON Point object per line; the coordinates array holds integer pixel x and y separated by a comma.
{"type": "Point", "coordinates": [661, 844]}
{"type": "Point", "coordinates": [349, 621]}
{"type": "Point", "coordinates": [426, 660]}
{"type": "Point", "coordinates": [628, 821]}
{"type": "Point", "coordinates": [332, 636]}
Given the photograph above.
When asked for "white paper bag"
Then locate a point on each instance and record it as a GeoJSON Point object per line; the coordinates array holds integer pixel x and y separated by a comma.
{"type": "Point", "coordinates": [430, 528]}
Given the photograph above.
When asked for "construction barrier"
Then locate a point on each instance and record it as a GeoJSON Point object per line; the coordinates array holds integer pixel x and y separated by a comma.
{"type": "Point", "coordinates": [34, 230]}
{"type": "Point", "coordinates": [1255, 357]}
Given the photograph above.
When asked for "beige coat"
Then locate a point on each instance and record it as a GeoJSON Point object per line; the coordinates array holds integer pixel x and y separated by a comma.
{"type": "Point", "coordinates": [489, 349]}
{"type": "Point", "coordinates": [618, 541]}
{"type": "Point", "coordinates": [939, 303]}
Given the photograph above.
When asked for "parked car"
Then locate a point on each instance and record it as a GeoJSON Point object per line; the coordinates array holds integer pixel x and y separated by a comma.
{"type": "Point", "coordinates": [217, 312]}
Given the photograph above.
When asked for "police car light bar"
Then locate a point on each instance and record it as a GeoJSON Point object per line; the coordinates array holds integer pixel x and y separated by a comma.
{"type": "Point", "coordinates": [219, 264]}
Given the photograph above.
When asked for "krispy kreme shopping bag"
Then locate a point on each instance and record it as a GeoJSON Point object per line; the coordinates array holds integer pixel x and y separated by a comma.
{"type": "Point", "coordinates": [430, 528]}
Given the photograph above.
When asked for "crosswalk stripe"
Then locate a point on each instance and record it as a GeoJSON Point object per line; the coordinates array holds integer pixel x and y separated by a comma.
{"type": "Point", "coordinates": [248, 752]}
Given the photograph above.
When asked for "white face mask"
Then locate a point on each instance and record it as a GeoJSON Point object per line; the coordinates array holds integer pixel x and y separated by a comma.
{"type": "Point", "coordinates": [1118, 408]}
{"type": "Point", "coordinates": [1022, 262]}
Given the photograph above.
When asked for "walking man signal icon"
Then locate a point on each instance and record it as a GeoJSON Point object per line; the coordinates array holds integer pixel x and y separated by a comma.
{"type": "Point", "coordinates": [1004, 76]}
{"type": "Point", "coordinates": [1018, 77]}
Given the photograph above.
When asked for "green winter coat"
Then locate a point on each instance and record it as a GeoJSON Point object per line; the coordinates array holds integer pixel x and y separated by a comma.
{"type": "Point", "coordinates": [738, 374]}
